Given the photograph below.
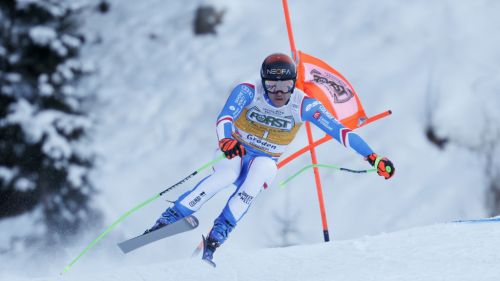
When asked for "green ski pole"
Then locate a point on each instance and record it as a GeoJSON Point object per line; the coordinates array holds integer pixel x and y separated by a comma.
{"type": "Point", "coordinates": [136, 208]}
{"type": "Point", "coordinates": [335, 167]}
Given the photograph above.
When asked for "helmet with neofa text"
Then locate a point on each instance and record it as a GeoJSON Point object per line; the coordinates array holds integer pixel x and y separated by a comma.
{"type": "Point", "coordinates": [278, 67]}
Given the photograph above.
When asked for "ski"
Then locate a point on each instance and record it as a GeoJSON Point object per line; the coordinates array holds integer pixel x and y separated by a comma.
{"type": "Point", "coordinates": [183, 225]}
{"type": "Point", "coordinates": [207, 259]}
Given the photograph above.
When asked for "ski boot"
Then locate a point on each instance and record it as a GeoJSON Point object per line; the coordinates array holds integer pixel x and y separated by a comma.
{"type": "Point", "coordinates": [170, 216]}
{"type": "Point", "coordinates": [217, 236]}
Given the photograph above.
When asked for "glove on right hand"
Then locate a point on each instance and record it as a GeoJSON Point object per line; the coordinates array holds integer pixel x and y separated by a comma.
{"type": "Point", "coordinates": [231, 148]}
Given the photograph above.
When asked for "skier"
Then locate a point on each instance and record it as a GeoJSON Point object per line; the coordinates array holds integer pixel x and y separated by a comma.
{"type": "Point", "coordinates": [254, 128]}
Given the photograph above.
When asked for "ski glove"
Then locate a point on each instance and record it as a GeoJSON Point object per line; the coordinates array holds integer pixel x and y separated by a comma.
{"type": "Point", "coordinates": [384, 166]}
{"type": "Point", "coordinates": [231, 148]}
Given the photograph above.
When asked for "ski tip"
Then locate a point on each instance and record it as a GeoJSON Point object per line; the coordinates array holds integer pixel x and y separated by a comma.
{"type": "Point", "coordinates": [122, 248]}
{"type": "Point", "coordinates": [199, 248]}
{"type": "Point", "coordinates": [203, 241]}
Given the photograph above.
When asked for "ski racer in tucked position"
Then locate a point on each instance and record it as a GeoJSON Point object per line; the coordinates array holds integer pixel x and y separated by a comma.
{"type": "Point", "coordinates": [254, 128]}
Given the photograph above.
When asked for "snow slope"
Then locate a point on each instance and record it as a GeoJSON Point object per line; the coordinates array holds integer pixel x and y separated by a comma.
{"type": "Point", "coordinates": [160, 89]}
{"type": "Point", "coordinates": [452, 251]}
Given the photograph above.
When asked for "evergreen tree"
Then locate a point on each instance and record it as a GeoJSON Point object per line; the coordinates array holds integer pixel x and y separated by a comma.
{"type": "Point", "coordinates": [44, 169]}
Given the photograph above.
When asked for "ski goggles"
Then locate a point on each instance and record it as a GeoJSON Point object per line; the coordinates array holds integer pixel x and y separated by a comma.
{"type": "Point", "coordinates": [274, 86]}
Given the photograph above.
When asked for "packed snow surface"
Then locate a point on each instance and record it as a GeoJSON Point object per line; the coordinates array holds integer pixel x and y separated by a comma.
{"type": "Point", "coordinates": [160, 88]}
{"type": "Point", "coordinates": [452, 251]}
